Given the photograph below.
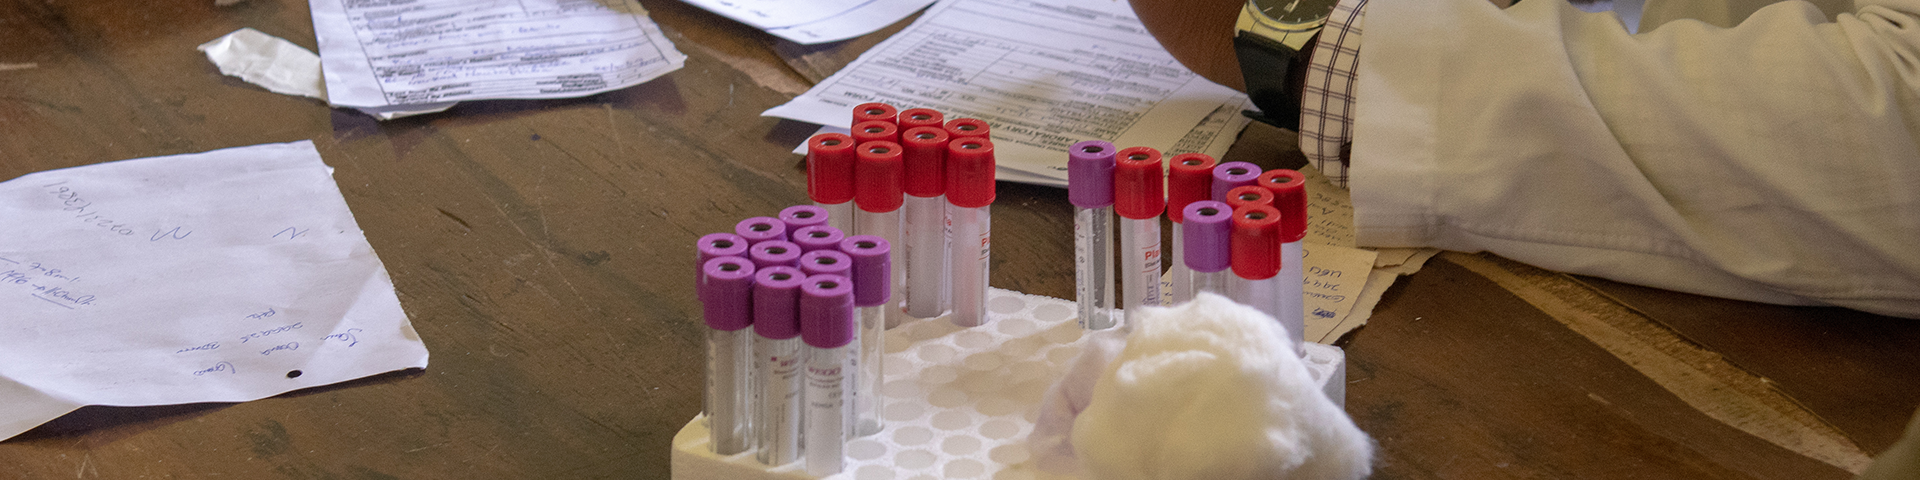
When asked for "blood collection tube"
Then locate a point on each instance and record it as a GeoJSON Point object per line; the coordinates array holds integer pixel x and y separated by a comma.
{"type": "Point", "coordinates": [1189, 179]}
{"type": "Point", "coordinates": [969, 202]}
{"type": "Point", "coordinates": [929, 290]}
{"type": "Point", "coordinates": [920, 117]}
{"type": "Point", "coordinates": [1228, 175]}
{"type": "Point", "coordinates": [878, 194]}
{"type": "Point", "coordinates": [801, 216]}
{"type": "Point", "coordinates": [1209, 232]}
{"type": "Point", "coordinates": [874, 111]}
{"type": "Point", "coordinates": [715, 245]}
{"type": "Point", "coordinates": [775, 253]}
{"type": "Point", "coordinates": [1248, 195]}
{"type": "Point", "coordinates": [873, 295]}
{"type": "Point", "coordinates": [826, 262]}
{"type": "Point", "coordinates": [777, 364]}
{"type": "Point", "coordinates": [1256, 257]}
{"type": "Point", "coordinates": [760, 229]}
{"type": "Point", "coordinates": [830, 160]}
{"type": "Point", "coordinates": [969, 127]}
{"type": "Point", "coordinates": [826, 324]}
{"type": "Point", "coordinates": [1138, 198]}
{"type": "Point", "coordinates": [873, 131]}
{"type": "Point", "coordinates": [727, 284]}
{"type": "Point", "coordinates": [818, 237]}
{"type": "Point", "coordinates": [1289, 190]}
{"type": "Point", "coordinates": [1090, 188]}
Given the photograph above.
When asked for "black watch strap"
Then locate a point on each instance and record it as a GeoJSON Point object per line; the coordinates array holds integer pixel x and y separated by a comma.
{"type": "Point", "coordinates": [1270, 70]}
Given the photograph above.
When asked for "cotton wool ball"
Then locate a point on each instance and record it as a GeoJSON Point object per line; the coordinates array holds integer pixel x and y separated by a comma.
{"type": "Point", "coordinates": [1213, 390]}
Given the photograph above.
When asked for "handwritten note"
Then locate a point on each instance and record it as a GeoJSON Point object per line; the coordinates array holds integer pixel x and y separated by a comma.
{"type": "Point", "coordinates": [1335, 277]}
{"type": "Point", "coordinates": [224, 276]}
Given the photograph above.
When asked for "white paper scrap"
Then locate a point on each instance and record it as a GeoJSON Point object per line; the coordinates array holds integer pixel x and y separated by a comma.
{"type": "Point", "coordinates": [866, 18]}
{"type": "Point", "coordinates": [1044, 73]}
{"type": "Point", "coordinates": [380, 54]}
{"type": "Point", "coordinates": [224, 276]}
{"type": "Point", "coordinates": [268, 61]}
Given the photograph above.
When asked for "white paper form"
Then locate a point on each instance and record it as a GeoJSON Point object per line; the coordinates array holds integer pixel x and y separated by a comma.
{"type": "Point", "coordinates": [861, 20]}
{"type": "Point", "coordinates": [1044, 73]}
{"type": "Point", "coordinates": [407, 52]}
{"type": "Point", "coordinates": [225, 276]}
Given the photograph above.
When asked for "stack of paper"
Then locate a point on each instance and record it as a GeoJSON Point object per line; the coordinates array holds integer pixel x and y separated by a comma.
{"type": "Point", "coordinates": [809, 22]}
{"type": "Point", "coordinates": [1045, 73]}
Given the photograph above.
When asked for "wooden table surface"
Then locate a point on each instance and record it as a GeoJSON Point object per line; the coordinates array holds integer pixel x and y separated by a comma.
{"type": "Point", "coordinates": [539, 247]}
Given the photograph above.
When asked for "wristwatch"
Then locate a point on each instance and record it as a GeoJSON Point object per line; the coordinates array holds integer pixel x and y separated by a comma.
{"type": "Point", "coordinates": [1273, 39]}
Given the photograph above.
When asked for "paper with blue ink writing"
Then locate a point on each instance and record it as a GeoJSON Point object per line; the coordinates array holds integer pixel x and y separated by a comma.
{"type": "Point", "coordinates": [224, 276]}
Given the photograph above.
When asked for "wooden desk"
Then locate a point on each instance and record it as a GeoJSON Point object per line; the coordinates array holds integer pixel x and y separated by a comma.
{"type": "Point", "coordinates": [539, 246]}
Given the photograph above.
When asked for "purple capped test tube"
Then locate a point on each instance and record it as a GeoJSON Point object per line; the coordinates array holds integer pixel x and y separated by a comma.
{"type": "Point", "coordinates": [777, 379]}
{"type": "Point", "coordinates": [1228, 175]}
{"type": "Point", "coordinates": [1090, 187]}
{"type": "Point", "coordinates": [818, 237]}
{"type": "Point", "coordinates": [872, 294]}
{"type": "Point", "coordinates": [727, 287]}
{"type": "Point", "coordinates": [826, 262]}
{"type": "Point", "coordinates": [1208, 230]}
{"type": "Point", "coordinates": [761, 229]}
{"type": "Point", "coordinates": [773, 253]}
{"type": "Point", "coordinates": [801, 216]}
{"type": "Point", "coordinates": [827, 327]}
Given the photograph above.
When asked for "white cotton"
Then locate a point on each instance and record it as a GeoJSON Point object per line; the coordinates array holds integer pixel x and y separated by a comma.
{"type": "Point", "coordinates": [1211, 390]}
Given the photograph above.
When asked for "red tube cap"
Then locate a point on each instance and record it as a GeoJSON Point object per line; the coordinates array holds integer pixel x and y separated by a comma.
{"type": "Point", "coordinates": [1290, 196]}
{"type": "Point", "coordinates": [830, 161]}
{"type": "Point", "coordinates": [920, 117]}
{"type": "Point", "coordinates": [874, 111]}
{"type": "Point", "coordinates": [1255, 243]}
{"type": "Point", "coordinates": [968, 127]}
{"type": "Point", "coordinates": [970, 172]}
{"type": "Point", "coordinates": [926, 160]}
{"type": "Point", "coordinates": [1138, 186]}
{"type": "Point", "coordinates": [875, 131]}
{"type": "Point", "coordinates": [1189, 179]}
{"type": "Point", "coordinates": [1248, 195]}
{"type": "Point", "coordinates": [877, 177]}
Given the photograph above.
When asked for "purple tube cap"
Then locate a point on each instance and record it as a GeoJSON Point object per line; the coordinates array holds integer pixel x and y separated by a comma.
{"type": "Point", "coordinates": [1090, 174]}
{"type": "Point", "coordinates": [761, 229]}
{"type": "Point", "coordinates": [776, 302]}
{"type": "Point", "coordinates": [826, 262]}
{"type": "Point", "coordinates": [826, 311]}
{"type": "Point", "coordinates": [1207, 232]}
{"type": "Point", "coordinates": [775, 253]}
{"type": "Point", "coordinates": [1232, 174]}
{"type": "Point", "coordinates": [872, 269]}
{"type": "Point", "coordinates": [801, 216]}
{"type": "Point", "coordinates": [727, 288]}
{"type": "Point", "coordinates": [818, 237]}
{"type": "Point", "coordinates": [721, 245]}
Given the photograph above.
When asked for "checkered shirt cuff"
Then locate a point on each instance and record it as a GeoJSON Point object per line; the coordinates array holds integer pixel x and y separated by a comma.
{"type": "Point", "coordinates": [1326, 103]}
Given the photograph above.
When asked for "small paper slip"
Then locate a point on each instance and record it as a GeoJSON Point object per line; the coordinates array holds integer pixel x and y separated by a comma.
{"type": "Point", "coordinates": [225, 276]}
{"type": "Point", "coordinates": [1045, 73]}
{"type": "Point", "coordinates": [810, 22]}
{"type": "Point", "coordinates": [383, 54]}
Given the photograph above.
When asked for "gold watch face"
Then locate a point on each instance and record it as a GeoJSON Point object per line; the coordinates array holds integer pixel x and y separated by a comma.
{"type": "Point", "coordinates": [1291, 15]}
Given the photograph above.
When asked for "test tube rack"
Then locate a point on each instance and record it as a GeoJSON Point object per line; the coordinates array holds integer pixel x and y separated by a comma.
{"type": "Point", "coordinates": [960, 402]}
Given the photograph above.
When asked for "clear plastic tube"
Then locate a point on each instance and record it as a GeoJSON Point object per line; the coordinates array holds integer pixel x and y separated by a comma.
{"type": "Point", "coordinates": [926, 247]}
{"type": "Point", "coordinates": [1289, 292]}
{"type": "Point", "coordinates": [1215, 282]}
{"type": "Point", "coordinates": [972, 247]}
{"type": "Point", "coordinates": [1093, 266]}
{"type": "Point", "coordinates": [1182, 280]}
{"type": "Point", "coordinates": [826, 424]}
{"type": "Point", "coordinates": [866, 395]}
{"type": "Point", "coordinates": [839, 215]}
{"type": "Point", "coordinates": [886, 225]}
{"type": "Point", "coordinates": [777, 372]}
{"type": "Point", "coordinates": [1256, 293]}
{"type": "Point", "coordinates": [1140, 251]}
{"type": "Point", "coordinates": [730, 389]}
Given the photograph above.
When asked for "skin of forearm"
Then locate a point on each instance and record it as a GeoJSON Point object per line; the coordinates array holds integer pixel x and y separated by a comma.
{"type": "Point", "coordinates": [1199, 34]}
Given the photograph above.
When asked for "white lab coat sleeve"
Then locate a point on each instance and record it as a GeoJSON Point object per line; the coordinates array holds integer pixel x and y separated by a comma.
{"type": "Point", "coordinates": [1775, 161]}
